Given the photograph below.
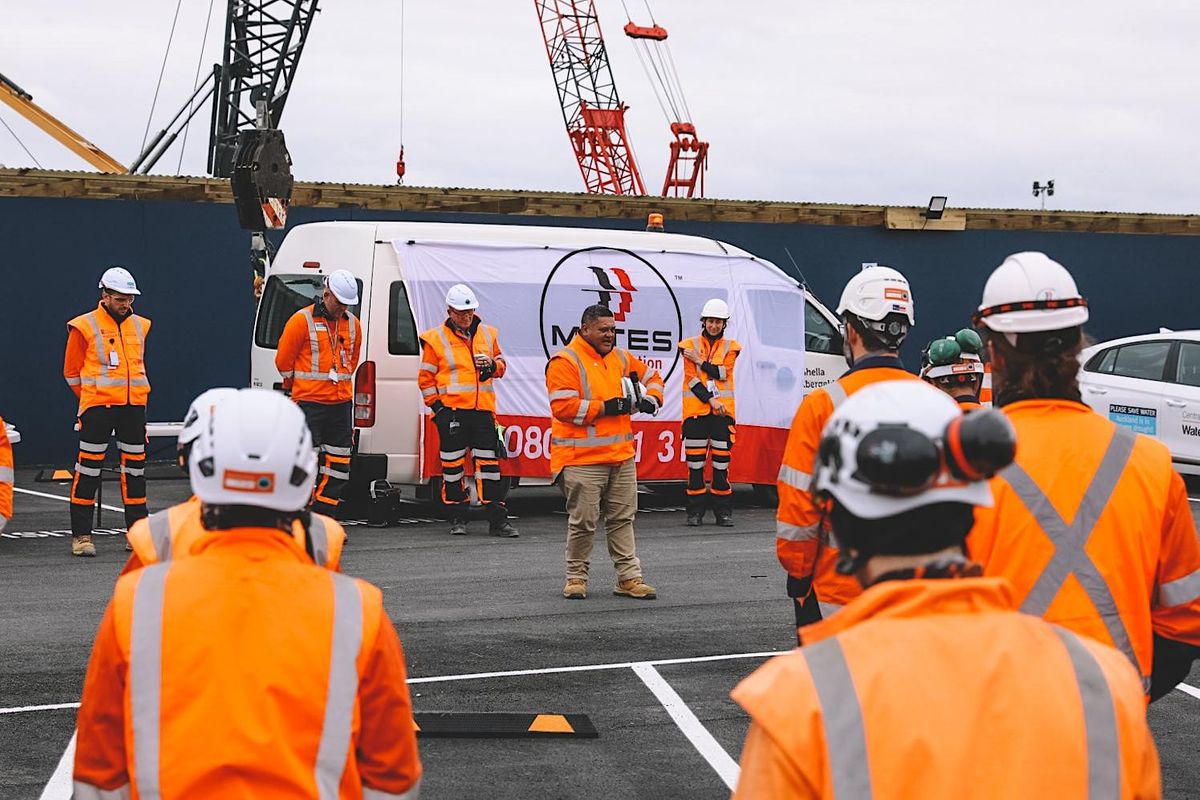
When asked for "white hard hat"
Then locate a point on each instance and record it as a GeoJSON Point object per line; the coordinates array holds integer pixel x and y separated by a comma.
{"type": "Point", "coordinates": [461, 298]}
{"type": "Point", "coordinates": [716, 309]}
{"type": "Point", "coordinates": [898, 445]}
{"type": "Point", "coordinates": [1028, 293]}
{"type": "Point", "coordinates": [200, 411]}
{"type": "Point", "coordinates": [255, 451]}
{"type": "Point", "coordinates": [967, 364]}
{"type": "Point", "coordinates": [876, 292]}
{"type": "Point", "coordinates": [118, 279]}
{"type": "Point", "coordinates": [343, 286]}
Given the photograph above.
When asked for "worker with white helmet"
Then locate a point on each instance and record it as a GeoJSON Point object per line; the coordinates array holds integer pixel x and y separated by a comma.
{"type": "Point", "coordinates": [1091, 523]}
{"type": "Point", "coordinates": [318, 357]}
{"type": "Point", "coordinates": [105, 367]}
{"type": "Point", "coordinates": [877, 311]}
{"type": "Point", "coordinates": [930, 684]}
{"type": "Point", "coordinates": [460, 361]}
{"type": "Point", "coordinates": [953, 365]}
{"type": "Point", "coordinates": [708, 413]}
{"type": "Point", "coordinates": [172, 532]}
{"type": "Point", "coordinates": [244, 670]}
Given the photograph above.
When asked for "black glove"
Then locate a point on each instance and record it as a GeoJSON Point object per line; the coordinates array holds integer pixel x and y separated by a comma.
{"type": "Point", "coordinates": [617, 406]}
{"type": "Point", "coordinates": [441, 414]}
{"type": "Point", "coordinates": [485, 373]}
{"type": "Point", "coordinates": [647, 406]}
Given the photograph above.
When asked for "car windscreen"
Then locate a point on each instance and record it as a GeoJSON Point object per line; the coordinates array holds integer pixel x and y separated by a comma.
{"type": "Point", "coordinates": [282, 297]}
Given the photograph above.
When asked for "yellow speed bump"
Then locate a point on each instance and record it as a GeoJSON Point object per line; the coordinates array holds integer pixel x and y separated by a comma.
{"type": "Point", "coordinates": [502, 725]}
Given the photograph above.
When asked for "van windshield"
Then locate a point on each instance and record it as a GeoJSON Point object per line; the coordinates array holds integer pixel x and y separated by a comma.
{"type": "Point", "coordinates": [282, 297]}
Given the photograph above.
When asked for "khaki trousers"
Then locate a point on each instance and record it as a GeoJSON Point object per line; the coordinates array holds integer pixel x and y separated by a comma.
{"type": "Point", "coordinates": [593, 491]}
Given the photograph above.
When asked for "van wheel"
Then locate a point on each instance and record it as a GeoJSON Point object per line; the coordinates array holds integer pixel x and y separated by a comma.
{"type": "Point", "coordinates": [766, 495]}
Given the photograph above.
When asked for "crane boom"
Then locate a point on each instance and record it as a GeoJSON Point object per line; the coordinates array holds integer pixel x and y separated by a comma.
{"type": "Point", "coordinates": [22, 101]}
{"type": "Point", "coordinates": [592, 109]}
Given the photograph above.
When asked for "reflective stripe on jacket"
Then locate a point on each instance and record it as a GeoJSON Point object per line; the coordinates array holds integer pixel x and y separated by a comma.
{"type": "Point", "coordinates": [6, 476]}
{"type": "Point", "coordinates": [578, 381]}
{"type": "Point", "coordinates": [722, 354]}
{"type": "Point", "coordinates": [448, 372]}
{"type": "Point", "coordinates": [310, 350]}
{"type": "Point", "coordinates": [938, 689]}
{"type": "Point", "coordinates": [243, 671]}
{"type": "Point", "coordinates": [104, 362]}
{"type": "Point", "coordinates": [173, 532]}
{"type": "Point", "coordinates": [802, 548]}
{"type": "Point", "coordinates": [1092, 527]}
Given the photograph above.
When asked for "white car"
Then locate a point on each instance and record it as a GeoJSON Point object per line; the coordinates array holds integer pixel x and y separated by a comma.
{"type": "Point", "coordinates": [1149, 384]}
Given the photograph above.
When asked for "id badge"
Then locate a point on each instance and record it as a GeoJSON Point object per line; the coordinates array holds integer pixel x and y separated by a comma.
{"type": "Point", "coordinates": [112, 359]}
{"type": "Point", "coordinates": [333, 376]}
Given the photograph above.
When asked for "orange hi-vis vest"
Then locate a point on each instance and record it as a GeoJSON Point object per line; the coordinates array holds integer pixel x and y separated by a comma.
{"type": "Point", "coordinates": [7, 478]}
{"type": "Point", "coordinates": [938, 690]}
{"type": "Point", "coordinates": [244, 671]}
{"type": "Point", "coordinates": [105, 361]}
{"type": "Point", "coordinates": [448, 372]}
{"type": "Point", "coordinates": [1091, 525]}
{"type": "Point", "coordinates": [317, 356]}
{"type": "Point", "coordinates": [579, 380]}
{"type": "Point", "coordinates": [721, 354]}
{"type": "Point", "coordinates": [803, 549]}
{"type": "Point", "coordinates": [173, 532]}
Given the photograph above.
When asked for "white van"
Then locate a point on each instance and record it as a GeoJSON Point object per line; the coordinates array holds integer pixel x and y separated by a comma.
{"type": "Point", "coordinates": [389, 433]}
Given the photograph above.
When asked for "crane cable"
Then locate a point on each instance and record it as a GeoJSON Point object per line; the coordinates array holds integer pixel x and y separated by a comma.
{"type": "Point", "coordinates": [161, 72]}
{"type": "Point", "coordinates": [665, 75]}
{"type": "Point", "coordinates": [18, 138]}
{"type": "Point", "coordinates": [195, 85]}
{"type": "Point", "coordinates": [400, 165]}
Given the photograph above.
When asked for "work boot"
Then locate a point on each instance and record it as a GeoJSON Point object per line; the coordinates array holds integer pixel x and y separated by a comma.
{"type": "Point", "coordinates": [458, 527]}
{"type": "Point", "coordinates": [576, 589]}
{"type": "Point", "coordinates": [504, 530]}
{"type": "Point", "coordinates": [724, 518]}
{"type": "Point", "coordinates": [82, 546]}
{"type": "Point", "coordinates": [694, 520]}
{"type": "Point", "coordinates": [636, 588]}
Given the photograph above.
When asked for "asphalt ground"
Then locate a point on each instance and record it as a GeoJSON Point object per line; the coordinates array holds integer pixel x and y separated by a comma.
{"type": "Point", "coordinates": [652, 676]}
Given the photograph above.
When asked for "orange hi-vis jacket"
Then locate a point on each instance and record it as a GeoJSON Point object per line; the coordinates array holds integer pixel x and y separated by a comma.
{"type": "Point", "coordinates": [448, 370]}
{"type": "Point", "coordinates": [579, 380]}
{"type": "Point", "coordinates": [317, 356]}
{"type": "Point", "coordinates": [1091, 524]}
{"type": "Point", "coordinates": [801, 546]}
{"type": "Point", "coordinates": [173, 532]}
{"type": "Point", "coordinates": [722, 354]}
{"type": "Point", "coordinates": [938, 689]}
{"type": "Point", "coordinates": [244, 671]}
{"type": "Point", "coordinates": [7, 478]}
{"type": "Point", "coordinates": [105, 362]}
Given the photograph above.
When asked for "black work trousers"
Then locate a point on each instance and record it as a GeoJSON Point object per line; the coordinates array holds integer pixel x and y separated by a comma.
{"type": "Point", "coordinates": [708, 434]}
{"type": "Point", "coordinates": [476, 431]}
{"type": "Point", "coordinates": [96, 426]}
{"type": "Point", "coordinates": [332, 429]}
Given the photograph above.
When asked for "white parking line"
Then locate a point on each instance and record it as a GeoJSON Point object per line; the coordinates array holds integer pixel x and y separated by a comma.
{"type": "Point", "coordinates": [59, 497]}
{"type": "Point", "coordinates": [59, 787]}
{"type": "Point", "coordinates": [1187, 689]}
{"type": "Point", "coordinates": [692, 728]}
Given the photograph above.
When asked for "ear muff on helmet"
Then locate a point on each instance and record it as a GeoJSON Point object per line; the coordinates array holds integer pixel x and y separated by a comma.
{"type": "Point", "coordinates": [979, 444]}
{"type": "Point", "coordinates": [897, 460]}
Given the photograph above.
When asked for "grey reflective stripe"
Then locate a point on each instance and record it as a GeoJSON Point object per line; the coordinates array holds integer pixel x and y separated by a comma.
{"type": "Point", "coordinates": [720, 464]}
{"type": "Point", "coordinates": [334, 473]}
{"type": "Point", "coordinates": [1172, 593]}
{"type": "Point", "coordinates": [352, 324]}
{"type": "Point", "coordinates": [93, 447]}
{"type": "Point", "coordinates": [333, 450]}
{"type": "Point", "coordinates": [722, 393]}
{"type": "Point", "coordinates": [563, 394]}
{"type": "Point", "coordinates": [288, 373]}
{"type": "Point", "coordinates": [718, 445]}
{"type": "Point", "coordinates": [694, 382]}
{"type": "Point", "coordinates": [428, 391]}
{"type": "Point", "coordinates": [90, 381]}
{"type": "Point", "coordinates": [1099, 719]}
{"type": "Point", "coordinates": [845, 737]}
{"type": "Point", "coordinates": [6, 475]}
{"type": "Point", "coordinates": [89, 471]}
{"type": "Point", "coordinates": [796, 533]}
{"type": "Point", "coordinates": [449, 351]}
{"type": "Point", "coordinates": [586, 391]}
{"type": "Point", "coordinates": [1070, 541]}
{"type": "Point", "coordinates": [97, 339]}
{"type": "Point", "coordinates": [160, 534]}
{"type": "Point", "coordinates": [76, 381]}
{"type": "Point", "coordinates": [592, 441]}
{"type": "Point", "coordinates": [470, 387]}
{"type": "Point", "coordinates": [695, 443]}
{"type": "Point", "coordinates": [139, 332]}
{"type": "Point", "coordinates": [145, 678]}
{"type": "Point", "coordinates": [483, 453]}
{"type": "Point", "coordinates": [314, 376]}
{"type": "Point", "coordinates": [376, 794]}
{"type": "Point", "coordinates": [450, 455]}
{"type": "Point", "coordinates": [125, 447]}
{"type": "Point", "coordinates": [318, 537]}
{"type": "Point", "coordinates": [86, 791]}
{"type": "Point", "coordinates": [624, 361]}
{"type": "Point", "coordinates": [139, 382]}
{"type": "Point", "coordinates": [487, 338]}
{"type": "Point", "coordinates": [488, 476]}
{"type": "Point", "coordinates": [427, 367]}
{"type": "Point", "coordinates": [836, 392]}
{"type": "Point", "coordinates": [797, 479]}
{"type": "Point", "coordinates": [314, 345]}
{"type": "Point", "coordinates": [722, 374]}
{"type": "Point", "coordinates": [581, 414]}
{"type": "Point", "coordinates": [342, 691]}
{"type": "Point", "coordinates": [137, 472]}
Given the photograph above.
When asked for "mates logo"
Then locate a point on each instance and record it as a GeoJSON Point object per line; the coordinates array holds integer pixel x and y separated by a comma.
{"type": "Point", "coordinates": [649, 322]}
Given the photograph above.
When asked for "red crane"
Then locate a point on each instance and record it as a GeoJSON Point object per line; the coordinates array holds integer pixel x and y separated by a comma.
{"type": "Point", "coordinates": [592, 109]}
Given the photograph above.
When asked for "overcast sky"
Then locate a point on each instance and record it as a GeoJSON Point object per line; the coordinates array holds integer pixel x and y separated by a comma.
{"type": "Point", "coordinates": [848, 102]}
